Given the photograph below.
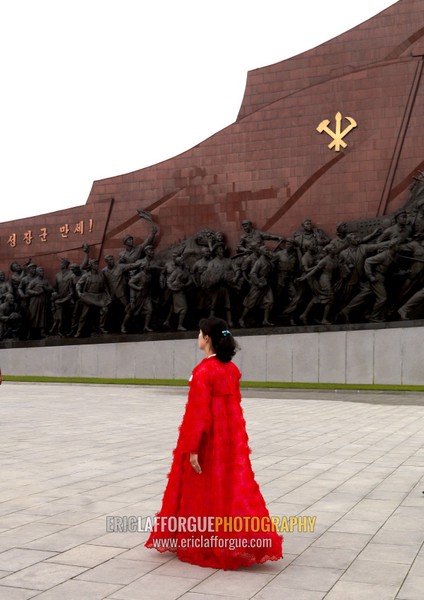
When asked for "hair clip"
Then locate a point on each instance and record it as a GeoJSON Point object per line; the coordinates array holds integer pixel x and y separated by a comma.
{"type": "Point", "coordinates": [225, 332]}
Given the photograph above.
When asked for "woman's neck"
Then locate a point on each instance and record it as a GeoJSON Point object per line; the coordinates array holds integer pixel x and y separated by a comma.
{"type": "Point", "coordinates": [209, 351]}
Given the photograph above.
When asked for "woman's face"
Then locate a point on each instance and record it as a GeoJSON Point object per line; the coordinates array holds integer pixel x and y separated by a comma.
{"type": "Point", "coordinates": [202, 340]}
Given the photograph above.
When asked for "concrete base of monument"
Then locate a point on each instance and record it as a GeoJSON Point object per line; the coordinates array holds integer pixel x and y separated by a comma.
{"type": "Point", "coordinates": [386, 353]}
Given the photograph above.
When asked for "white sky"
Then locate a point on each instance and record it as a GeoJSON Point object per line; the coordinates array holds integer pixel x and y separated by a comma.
{"type": "Point", "coordinates": [96, 88]}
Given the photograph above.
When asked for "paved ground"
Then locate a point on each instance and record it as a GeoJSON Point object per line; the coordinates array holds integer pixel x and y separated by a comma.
{"type": "Point", "coordinates": [72, 455]}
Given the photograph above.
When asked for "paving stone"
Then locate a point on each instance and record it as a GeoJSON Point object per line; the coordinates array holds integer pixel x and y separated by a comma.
{"type": "Point", "coordinates": [175, 568]}
{"type": "Point", "coordinates": [336, 558]}
{"type": "Point", "coordinates": [412, 588]}
{"type": "Point", "coordinates": [356, 466]}
{"type": "Point", "coordinates": [118, 571]}
{"type": "Point", "coordinates": [276, 593]}
{"type": "Point", "coordinates": [308, 578]}
{"type": "Point", "coordinates": [81, 590]}
{"type": "Point", "coordinates": [41, 576]}
{"type": "Point", "coordinates": [376, 572]}
{"type": "Point", "coordinates": [16, 559]}
{"type": "Point", "coordinates": [361, 591]}
{"type": "Point", "coordinates": [234, 583]}
{"type": "Point", "coordinates": [86, 555]}
{"type": "Point", "coordinates": [348, 541]}
{"type": "Point", "coordinates": [195, 596]}
{"type": "Point", "coordinates": [390, 553]}
{"type": "Point", "coordinates": [8, 593]}
{"type": "Point", "coordinates": [155, 587]}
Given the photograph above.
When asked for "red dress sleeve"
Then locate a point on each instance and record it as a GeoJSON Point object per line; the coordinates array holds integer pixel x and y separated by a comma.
{"type": "Point", "coordinates": [197, 417]}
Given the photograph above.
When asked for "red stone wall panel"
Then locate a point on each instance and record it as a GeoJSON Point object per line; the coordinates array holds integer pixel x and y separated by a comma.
{"type": "Point", "coordinates": [372, 41]}
{"type": "Point", "coordinates": [272, 165]}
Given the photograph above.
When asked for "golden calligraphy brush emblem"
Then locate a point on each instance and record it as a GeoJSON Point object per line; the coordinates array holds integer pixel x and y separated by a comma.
{"type": "Point", "coordinates": [337, 135]}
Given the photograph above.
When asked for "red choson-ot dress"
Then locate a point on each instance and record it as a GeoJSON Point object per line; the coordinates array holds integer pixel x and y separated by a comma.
{"type": "Point", "coordinates": [213, 427]}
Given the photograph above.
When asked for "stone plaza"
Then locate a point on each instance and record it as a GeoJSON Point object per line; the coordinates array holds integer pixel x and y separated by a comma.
{"type": "Point", "coordinates": [73, 456]}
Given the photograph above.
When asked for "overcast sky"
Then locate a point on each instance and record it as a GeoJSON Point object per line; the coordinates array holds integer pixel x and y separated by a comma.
{"type": "Point", "coordinates": [92, 89]}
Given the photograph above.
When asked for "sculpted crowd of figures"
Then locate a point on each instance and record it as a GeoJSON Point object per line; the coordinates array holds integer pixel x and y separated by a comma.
{"type": "Point", "coordinates": [306, 279]}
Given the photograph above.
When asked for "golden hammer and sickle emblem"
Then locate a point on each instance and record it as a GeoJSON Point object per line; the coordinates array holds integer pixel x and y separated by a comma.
{"type": "Point", "coordinates": [337, 135]}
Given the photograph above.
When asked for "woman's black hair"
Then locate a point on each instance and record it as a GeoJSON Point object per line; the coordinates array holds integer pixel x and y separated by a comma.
{"type": "Point", "coordinates": [222, 340]}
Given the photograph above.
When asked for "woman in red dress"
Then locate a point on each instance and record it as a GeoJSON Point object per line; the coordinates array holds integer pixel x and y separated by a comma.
{"type": "Point", "coordinates": [213, 513]}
